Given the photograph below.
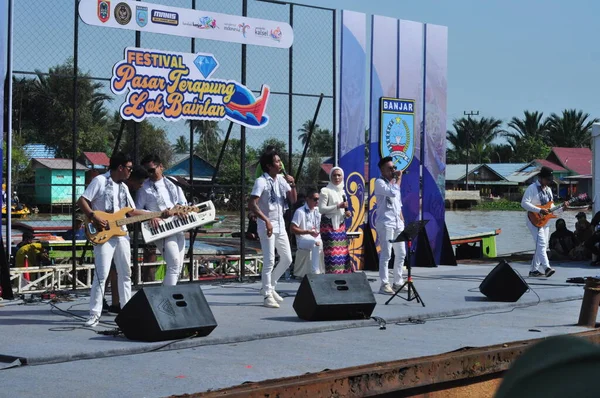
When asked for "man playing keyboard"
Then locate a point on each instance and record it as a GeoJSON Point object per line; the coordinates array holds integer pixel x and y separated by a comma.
{"type": "Point", "coordinates": [160, 194]}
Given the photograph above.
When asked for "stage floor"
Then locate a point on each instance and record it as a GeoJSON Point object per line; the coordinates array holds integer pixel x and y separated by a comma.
{"type": "Point", "coordinates": [253, 343]}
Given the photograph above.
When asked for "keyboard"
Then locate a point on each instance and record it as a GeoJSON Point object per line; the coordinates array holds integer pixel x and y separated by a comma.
{"type": "Point", "coordinates": [172, 225]}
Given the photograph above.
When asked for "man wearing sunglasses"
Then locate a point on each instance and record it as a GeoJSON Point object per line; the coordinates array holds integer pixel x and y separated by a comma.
{"type": "Point", "coordinates": [108, 193]}
{"type": "Point", "coordinates": [389, 223]}
{"type": "Point", "coordinates": [306, 225]}
{"type": "Point", "coordinates": [160, 194]}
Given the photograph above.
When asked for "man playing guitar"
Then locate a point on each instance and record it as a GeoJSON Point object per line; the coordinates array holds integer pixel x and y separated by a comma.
{"type": "Point", "coordinates": [108, 193]}
{"type": "Point", "coordinates": [539, 194]}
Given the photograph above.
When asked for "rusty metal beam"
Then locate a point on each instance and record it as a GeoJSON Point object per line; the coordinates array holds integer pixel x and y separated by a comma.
{"type": "Point", "coordinates": [387, 377]}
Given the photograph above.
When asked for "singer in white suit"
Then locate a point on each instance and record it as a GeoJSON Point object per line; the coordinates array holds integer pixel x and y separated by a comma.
{"type": "Point", "coordinates": [334, 210]}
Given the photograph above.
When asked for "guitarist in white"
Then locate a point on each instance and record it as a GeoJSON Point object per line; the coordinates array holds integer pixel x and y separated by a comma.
{"type": "Point", "coordinates": [108, 193]}
{"type": "Point", "coordinates": [160, 194]}
{"type": "Point", "coordinates": [538, 194]}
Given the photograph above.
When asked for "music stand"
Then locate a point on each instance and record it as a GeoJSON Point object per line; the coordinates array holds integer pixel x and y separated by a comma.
{"type": "Point", "coordinates": [410, 232]}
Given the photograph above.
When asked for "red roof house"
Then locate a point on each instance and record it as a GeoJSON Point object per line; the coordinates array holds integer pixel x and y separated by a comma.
{"type": "Point", "coordinates": [575, 160]}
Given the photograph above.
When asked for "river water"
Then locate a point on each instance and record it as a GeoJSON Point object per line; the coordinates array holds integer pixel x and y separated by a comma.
{"type": "Point", "coordinates": [514, 238]}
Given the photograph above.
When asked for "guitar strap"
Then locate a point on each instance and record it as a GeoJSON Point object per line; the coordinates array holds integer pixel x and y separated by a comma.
{"type": "Point", "coordinates": [543, 195]}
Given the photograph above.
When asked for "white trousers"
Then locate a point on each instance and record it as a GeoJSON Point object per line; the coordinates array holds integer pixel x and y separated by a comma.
{"type": "Point", "coordinates": [173, 251]}
{"type": "Point", "coordinates": [309, 243]}
{"type": "Point", "coordinates": [270, 275]}
{"type": "Point", "coordinates": [541, 238]}
{"type": "Point", "coordinates": [385, 234]}
{"type": "Point", "coordinates": [116, 248]}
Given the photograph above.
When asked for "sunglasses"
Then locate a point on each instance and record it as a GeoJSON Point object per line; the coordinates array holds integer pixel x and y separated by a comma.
{"type": "Point", "coordinates": [129, 168]}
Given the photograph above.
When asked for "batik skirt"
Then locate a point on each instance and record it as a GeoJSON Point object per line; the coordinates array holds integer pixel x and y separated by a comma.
{"type": "Point", "coordinates": [335, 247]}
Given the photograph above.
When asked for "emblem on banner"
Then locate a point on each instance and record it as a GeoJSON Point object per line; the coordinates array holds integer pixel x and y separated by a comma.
{"type": "Point", "coordinates": [141, 16]}
{"type": "Point", "coordinates": [103, 10]}
{"type": "Point", "coordinates": [276, 34]}
{"type": "Point", "coordinates": [396, 136]}
{"type": "Point", "coordinates": [206, 23]}
{"type": "Point", "coordinates": [244, 27]}
{"type": "Point", "coordinates": [123, 13]}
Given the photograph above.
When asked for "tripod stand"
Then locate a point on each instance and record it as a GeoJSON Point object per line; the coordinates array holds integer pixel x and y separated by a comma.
{"type": "Point", "coordinates": [410, 232]}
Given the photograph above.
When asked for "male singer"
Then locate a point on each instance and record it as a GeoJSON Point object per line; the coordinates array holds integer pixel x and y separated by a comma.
{"type": "Point", "coordinates": [389, 223]}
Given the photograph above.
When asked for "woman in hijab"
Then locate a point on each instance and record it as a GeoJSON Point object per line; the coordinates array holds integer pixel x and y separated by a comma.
{"type": "Point", "coordinates": [334, 209]}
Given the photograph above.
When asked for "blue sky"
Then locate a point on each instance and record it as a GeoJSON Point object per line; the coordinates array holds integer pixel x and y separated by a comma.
{"type": "Point", "coordinates": [508, 56]}
{"type": "Point", "coordinates": [504, 56]}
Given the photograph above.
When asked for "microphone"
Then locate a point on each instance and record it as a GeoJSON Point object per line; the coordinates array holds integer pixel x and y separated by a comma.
{"type": "Point", "coordinates": [343, 200]}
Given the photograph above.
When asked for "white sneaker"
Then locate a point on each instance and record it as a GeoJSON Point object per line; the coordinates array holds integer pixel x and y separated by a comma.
{"type": "Point", "coordinates": [270, 302]}
{"type": "Point", "coordinates": [396, 287]}
{"type": "Point", "coordinates": [276, 296]}
{"type": "Point", "coordinates": [92, 321]}
{"type": "Point", "coordinates": [386, 289]}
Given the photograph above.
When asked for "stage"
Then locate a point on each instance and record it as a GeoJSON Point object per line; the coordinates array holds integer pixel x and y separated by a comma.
{"type": "Point", "coordinates": [253, 343]}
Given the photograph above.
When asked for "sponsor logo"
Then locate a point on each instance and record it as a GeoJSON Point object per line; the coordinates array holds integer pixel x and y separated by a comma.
{"type": "Point", "coordinates": [141, 16]}
{"type": "Point", "coordinates": [123, 13]}
{"type": "Point", "coordinates": [232, 27]}
{"type": "Point", "coordinates": [276, 34]}
{"type": "Point", "coordinates": [206, 23]}
{"type": "Point", "coordinates": [261, 32]}
{"type": "Point", "coordinates": [244, 28]}
{"type": "Point", "coordinates": [103, 10]}
{"type": "Point", "coordinates": [165, 17]}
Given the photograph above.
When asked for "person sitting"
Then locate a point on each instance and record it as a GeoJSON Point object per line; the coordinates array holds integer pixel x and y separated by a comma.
{"type": "Point", "coordinates": [305, 226]}
{"type": "Point", "coordinates": [583, 228]}
{"type": "Point", "coordinates": [593, 241]}
{"type": "Point", "coordinates": [79, 230]}
{"type": "Point", "coordinates": [562, 242]}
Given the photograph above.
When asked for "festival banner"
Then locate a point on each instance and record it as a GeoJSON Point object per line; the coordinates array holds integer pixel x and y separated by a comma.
{"type": "Point", "coordinates": [176, 86]}
{"type": "Point", "coordinates": [158, 18]}
{"type": "Point", "coordinates": [436, 66]}
{"type": "Point", "coordinates": [410, 85]}
{"type": "Point", "coordinates": [384, 83]}
{"type": "Point", "coordinates": [352, 124]}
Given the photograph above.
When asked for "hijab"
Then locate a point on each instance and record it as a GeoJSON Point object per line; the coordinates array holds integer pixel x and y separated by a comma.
{"type": "Point", "coordinates": [336, 188]}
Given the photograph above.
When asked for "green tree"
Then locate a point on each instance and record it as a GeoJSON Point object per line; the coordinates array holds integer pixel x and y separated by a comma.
{"type": "Point", "coordinates": [182, 145]}
{"type": "Point", "coordinates": [530, 148]}
{"type": "Point", "coordinates": [209, 139]}
{"type": "Point", "coordinates": [305, 130]}
{"type": "Point", "coordinates": [471, 139]}
{"type": "Point", "coordinates": [571, 129]}
{"type": "Point", "coordinates": [322, 143]}
{"type": "Point", "coordinates": [49, 111]}
{"type": "Point", "coordinates": [151, 139]}
{"type": "Point", "coordinates": [531, 128]}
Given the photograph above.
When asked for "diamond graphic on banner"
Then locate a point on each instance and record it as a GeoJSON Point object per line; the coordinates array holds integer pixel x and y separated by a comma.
{"type": "Point", "coordinates": [206, 64]}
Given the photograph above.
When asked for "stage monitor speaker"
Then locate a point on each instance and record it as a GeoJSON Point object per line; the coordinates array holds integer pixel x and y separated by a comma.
{"type": "Point", "coordinates": [503, 284]}
{"type": "Point", "coordinates": [166, 313]}
{"type": "Point", "coordinates": [328, 297]}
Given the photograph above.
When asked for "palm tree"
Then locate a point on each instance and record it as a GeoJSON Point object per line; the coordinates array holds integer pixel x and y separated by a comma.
{"type": "Point", "coordinates": [471, 139]}
{"type": "Point", "coordinates": [530, 127]}
{"type": "Point", "coordinates": [572, 129]}
{"type": "Point", "coordinates": [182, 145]}
{"type": "Point", "coordinates": [305, 130]}
{"type": "Point", "coordinates": [209, 134]}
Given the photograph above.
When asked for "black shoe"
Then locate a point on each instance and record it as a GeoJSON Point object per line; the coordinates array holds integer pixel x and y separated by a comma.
{"type": "Point", "coordinates": [105, 306]}
{"type": "Point", "coordinates": [114, 309]}
{"type": "Point", "coordinates": [535, 274]}
{"type": "Point", "coordinates": [549, 272]}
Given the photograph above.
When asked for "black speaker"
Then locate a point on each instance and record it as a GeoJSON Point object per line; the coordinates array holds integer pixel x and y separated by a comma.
{"type": "Point", "coordinates": [166, 313]}
{"type": "Point", "coordinates": [329, 297]}
{"type": "Point", "coordinates": [503, 284]}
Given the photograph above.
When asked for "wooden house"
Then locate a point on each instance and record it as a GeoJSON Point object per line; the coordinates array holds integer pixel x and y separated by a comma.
{"type": "Point", "coordinates": [54, 181]}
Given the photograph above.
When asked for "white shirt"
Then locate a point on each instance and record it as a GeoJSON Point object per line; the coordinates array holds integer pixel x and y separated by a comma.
{"type": "Point", "coordinates": [389, 204]}
{"type": "Point", "coordinates": [309, 220]}
{"type": "Point", "coordinates": [145, 198]}
{"type": "Point", "coordinates": [533, 195]}
{"type": "Point", "coordinates": [274, 211]}
{"type": "Point", "coordinates": [95, 194]}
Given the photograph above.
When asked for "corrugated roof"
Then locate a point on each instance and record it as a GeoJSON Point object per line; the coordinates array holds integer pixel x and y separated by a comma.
{"type": "Point", "coordinates": [579, 160]}
{"type": "Point", "coordinates": [522, 176]}
{"type": "Point", "coordinates": [455, 172]}
{"type": "Point", "coordinates": [97, 158]}
{"type": "Point", "coordinates": [57, 164]}
{"type": "Point", "coordinates": [39, 151]}
{"type": "Point", "coordinates": [505, 169]}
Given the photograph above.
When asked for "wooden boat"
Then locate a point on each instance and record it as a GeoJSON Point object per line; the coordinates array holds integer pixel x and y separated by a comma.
{"type": "Point", "coordinates": [578, 208]}
{"type": "Point", "coordinates": [17, 211]}
{"type": "Point", "coordinates": [484, 238]}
